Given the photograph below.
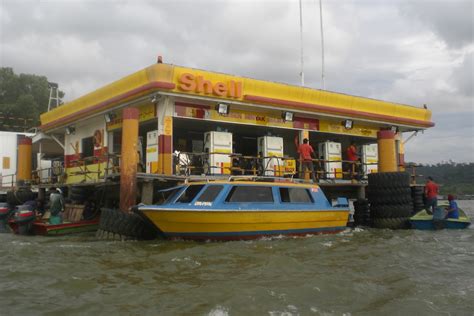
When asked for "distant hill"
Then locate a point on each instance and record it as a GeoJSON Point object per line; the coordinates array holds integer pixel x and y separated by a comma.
{"type": "Point", "coordinates": [453, 178]}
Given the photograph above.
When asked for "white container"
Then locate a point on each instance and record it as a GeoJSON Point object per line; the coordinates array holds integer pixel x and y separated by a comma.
{"type": "Point", "coordinates": [331, 153]}
{"type": "Point", "coordinates": [370, 158]}
{"type": "Point", "coordinates": [152, 152]}
{"type": "Point", "coordinates": [271, 148]}
{"type": "Point", "coordinates": [218, 145]}
{"type": "Point", "coordinates": [8, 157]}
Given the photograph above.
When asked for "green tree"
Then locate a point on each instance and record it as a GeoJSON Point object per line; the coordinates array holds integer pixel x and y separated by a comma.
{"type": "Point", "coordinates": [454, 178]}
{"type": "Point", "coordinates": [23, 98]}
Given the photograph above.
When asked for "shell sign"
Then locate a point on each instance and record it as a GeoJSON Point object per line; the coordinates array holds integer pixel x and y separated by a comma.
{"type": "Point", "coordinates": [190, 83]}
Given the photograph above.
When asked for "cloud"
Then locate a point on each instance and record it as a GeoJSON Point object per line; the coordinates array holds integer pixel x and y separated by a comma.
{"type": "Point", "coordinates": [451, 20]}
{"type": "Point", "coordinates": [413, 52]}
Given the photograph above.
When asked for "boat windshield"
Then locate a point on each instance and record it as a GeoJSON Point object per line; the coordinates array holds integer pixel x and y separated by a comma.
{"type": "Point", "coordinates": [166, 196]}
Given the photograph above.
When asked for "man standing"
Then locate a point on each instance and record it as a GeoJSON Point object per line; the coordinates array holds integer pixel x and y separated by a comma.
{"type": "Point", "coordinates": [352, 157]}
{"type": "Point", "coordinates": [56, 206]}
{"type": "Point", "coordinates": [306, 152]}
{"type": "Point", "coordinates": [431, 193]}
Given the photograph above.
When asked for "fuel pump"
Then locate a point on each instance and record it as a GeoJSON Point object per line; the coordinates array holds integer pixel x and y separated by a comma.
{"type": "Point", "coordinates": [331, 153]}
{"type": "Point", "coordinates": [152, 152]}
{"type": "Point", "coordinates": [271, 148]}
{"type": "Point", "coordinates": [370, 158]}
{"type": "Point", "coordinates": [218, 147]}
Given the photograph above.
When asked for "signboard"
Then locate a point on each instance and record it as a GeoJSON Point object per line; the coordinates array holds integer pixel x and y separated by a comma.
{"type": "Point", "coordinates": [243, 117]}
{"type": "Point", "coordinates": [357, 130]}
{"type": "Point", "coordinates": [147, 112]}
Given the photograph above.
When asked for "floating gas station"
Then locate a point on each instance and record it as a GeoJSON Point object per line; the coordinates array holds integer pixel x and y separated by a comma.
{"type": "Point", "coordinates": [165, 123]}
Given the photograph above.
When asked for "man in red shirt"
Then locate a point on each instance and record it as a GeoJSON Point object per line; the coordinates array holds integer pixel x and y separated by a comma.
{"type": "Point", "coordinates": [306, 152]}
{"type": "Point", "coordinates": [352, 157]}
{"type": "Point", "coordinates": [431, 193]}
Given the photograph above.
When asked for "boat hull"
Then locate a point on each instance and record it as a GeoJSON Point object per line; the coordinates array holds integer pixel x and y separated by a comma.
{"type": "Point", "coordinates": [236, 225]}
{"type": "Point", "coordinates": [430, 225]}
{"type": "Point", "coordinates": [46, 229]}
{"type": "Point", "coordinates": [424, 221]}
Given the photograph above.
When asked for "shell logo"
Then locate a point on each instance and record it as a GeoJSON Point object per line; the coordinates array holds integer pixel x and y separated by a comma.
{"type": "Point", "coordinates": [191, 83]}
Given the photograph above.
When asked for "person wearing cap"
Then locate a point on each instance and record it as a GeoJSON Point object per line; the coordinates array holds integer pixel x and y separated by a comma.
{"type": "Point", "coordinates": [56, 206]}
{"type": "Point", "coordinates": [452, 209]}
{"type": "Point", "coordinates": [431, 193]}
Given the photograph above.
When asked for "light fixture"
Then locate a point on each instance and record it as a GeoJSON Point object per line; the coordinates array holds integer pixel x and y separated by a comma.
{"type": "Point", "coordinates": [109, 117]}
{"type": "Point", "coordinates": [287, 116]}
{"type": "Point", "coordinates": [394, 129]}
{"type": "Point", "coordinates": [223, 108]}
{"type": "Point", "coordinates": [348, 124]}
{"type": "Point", "coordinates": [155, 98]}
{"type": "Point", "coordinates": [70, 130]}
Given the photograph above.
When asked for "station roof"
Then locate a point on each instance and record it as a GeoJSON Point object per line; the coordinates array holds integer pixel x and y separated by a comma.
{"type": "Point", "coordinates": [189, 82]}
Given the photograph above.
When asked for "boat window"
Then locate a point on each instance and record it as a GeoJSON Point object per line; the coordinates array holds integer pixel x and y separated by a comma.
{"type": "Point", "coordinates": [250, 194]}
{"type": "Point", "coordinates": [210, 194]}
{"type": "Point", "coordinates": [166, 196]}
{"type": "Point", "coordinates": [189, 194]}
{"type": "Point", "coordinates": [295, 195]}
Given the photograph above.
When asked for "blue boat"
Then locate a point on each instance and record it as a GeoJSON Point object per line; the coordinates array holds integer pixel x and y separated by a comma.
{"type": "Point", "coordinates": [245, 208]}
{"type": "Point", "coordinates": [423, 220]}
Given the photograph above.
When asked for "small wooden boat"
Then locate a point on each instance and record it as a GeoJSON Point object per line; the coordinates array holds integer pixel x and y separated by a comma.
{"type": "Point", "coordinates": [46, 229]}
{"type": "Point", "coordinates": [42, 227]}
{"type": "Point", "coordinates": [25, 222]}
{"type": "Point", "coordinates": [244, 209]}
{"type": "Point", "coordinates": [423, 220]}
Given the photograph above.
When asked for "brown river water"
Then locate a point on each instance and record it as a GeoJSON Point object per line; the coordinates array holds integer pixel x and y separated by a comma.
{"type": "Point", "coordinates": [358, 272]}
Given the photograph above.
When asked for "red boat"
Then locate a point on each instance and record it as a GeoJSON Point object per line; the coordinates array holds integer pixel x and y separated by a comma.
{"type": "Point", "coordinates": [25, 222]}
{"type": "Point", "coordinates": [40, 227]}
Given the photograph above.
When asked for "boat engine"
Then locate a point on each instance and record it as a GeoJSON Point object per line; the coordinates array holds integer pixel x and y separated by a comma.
{"type": "Point", "coordinates": [4, 214]}
{"type": "Point", "coordinates": [23, 220]}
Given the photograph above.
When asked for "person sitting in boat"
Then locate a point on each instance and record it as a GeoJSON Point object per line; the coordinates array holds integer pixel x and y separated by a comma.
{"type": "Point", "coordinates": [431, 193]}
{"type": "Point", "coordinates": [452, 209]}
{"type": "Point", "coordinates": [56, 206]}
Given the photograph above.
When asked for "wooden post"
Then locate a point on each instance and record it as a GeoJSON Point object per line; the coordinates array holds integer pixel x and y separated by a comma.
{"type": "Point", "coordinates": [128, 165]}
{"type": "Point", "coordinates": [147, 192]}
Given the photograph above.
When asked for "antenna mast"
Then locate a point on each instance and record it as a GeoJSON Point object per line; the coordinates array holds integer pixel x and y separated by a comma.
{"type": "Point", "coordinates": [322, 43]}
{"type": "Point", "coordinates": [301, 40]}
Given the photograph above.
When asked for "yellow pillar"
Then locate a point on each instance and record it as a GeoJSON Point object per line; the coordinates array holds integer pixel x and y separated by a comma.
{"type": "Point", "coordinates": [387, 153]}
{"type": "Point", "coordinates": [24, 167]}
{"type": "Point", "coordinates": [129, 159]}
{"type": "Point", "coordinates": [401, 153]}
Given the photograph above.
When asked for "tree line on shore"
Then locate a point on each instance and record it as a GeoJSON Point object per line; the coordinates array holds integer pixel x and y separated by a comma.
{"type": "Point", "coordinates": [453, 178]}
{"type": "Point", "coordinates": [23, 97]}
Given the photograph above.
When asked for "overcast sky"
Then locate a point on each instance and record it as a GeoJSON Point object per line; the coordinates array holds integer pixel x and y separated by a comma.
{"type": "Point", "coordinates": [413, 52]}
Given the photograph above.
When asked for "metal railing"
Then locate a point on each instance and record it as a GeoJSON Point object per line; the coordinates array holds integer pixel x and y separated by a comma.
{"type": "Point", "coordinates": [187, 163]}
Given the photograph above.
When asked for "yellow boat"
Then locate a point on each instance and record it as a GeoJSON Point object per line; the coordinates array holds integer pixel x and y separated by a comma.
{"type": "Point", "coordinates": [244, 209]}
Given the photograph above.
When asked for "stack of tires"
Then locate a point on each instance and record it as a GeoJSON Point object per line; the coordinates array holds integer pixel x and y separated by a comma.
{"type": "Point", "coordinates": [362, 213]}
{"type": "Point", "coordinates": [390, 199]}
{"type": "Point", "coordinates": [417, 193]}
{"type": "Point", "coordinates": [20, 196]}
{"type": "Point", "coordinates": [118, 225]}
{"type": "Point", "coordinates": [79, 194]}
